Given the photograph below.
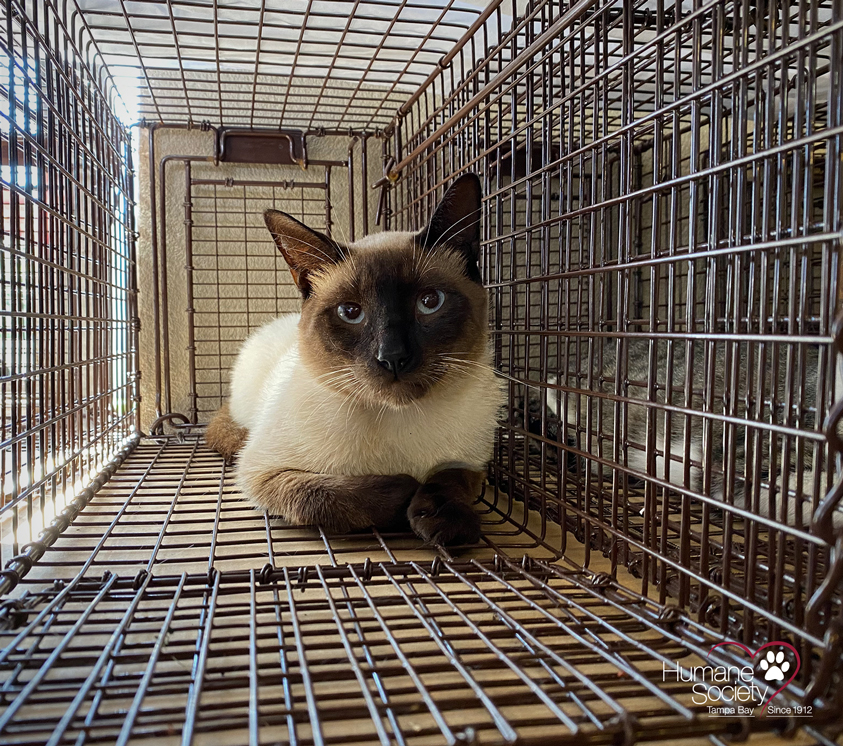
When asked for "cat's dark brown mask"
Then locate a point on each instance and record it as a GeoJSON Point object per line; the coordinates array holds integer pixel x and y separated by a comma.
{"type": "Point", "coordinates": [394, 315]}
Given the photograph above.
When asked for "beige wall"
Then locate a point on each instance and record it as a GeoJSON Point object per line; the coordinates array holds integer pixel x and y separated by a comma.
{"type": "Point", "coordinates": [221, 234]}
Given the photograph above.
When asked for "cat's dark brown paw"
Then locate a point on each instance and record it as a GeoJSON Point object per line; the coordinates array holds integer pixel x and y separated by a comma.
{"type": "Point", "coordinates": [439, 518]}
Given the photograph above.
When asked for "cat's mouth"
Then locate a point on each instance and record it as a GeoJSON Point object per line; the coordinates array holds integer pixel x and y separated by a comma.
{"type": "Point", "coordinates": [400, 391]}
{"type": "Point", "coordinates": [376, 388]}
{"type": "Point", "coordinates": [403, 390]}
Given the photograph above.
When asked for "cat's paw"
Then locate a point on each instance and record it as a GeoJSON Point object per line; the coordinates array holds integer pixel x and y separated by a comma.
{"type": "Point", "coordinates": [436, 519]}
{"type": "Point", "coordinates": [224, 435]}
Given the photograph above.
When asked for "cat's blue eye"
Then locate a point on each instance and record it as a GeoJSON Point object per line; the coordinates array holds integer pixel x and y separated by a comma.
{"type": "Point", "coordinates": [430, 301]}
{"type": "Point", "coordinates": [350, 313]}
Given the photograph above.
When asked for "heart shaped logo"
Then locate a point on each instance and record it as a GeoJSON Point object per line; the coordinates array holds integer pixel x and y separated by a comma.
{"type": "Point", "coordinates": [774, 665]}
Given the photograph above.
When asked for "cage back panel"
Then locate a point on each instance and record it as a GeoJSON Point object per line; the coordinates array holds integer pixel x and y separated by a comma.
{"type": "Point", "coordinates": [238, 278]}
{"type": "Point", "coordinates": [661, 242]}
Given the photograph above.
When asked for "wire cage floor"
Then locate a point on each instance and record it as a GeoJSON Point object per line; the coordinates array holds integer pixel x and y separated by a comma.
{"type": "Point", "coordinates": [415, 652]}
{"type": "Point", "coordinates": [171, 611]}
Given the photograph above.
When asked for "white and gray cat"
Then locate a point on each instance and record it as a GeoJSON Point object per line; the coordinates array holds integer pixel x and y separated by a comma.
{"type": "Point", "coordinates": [719, 389]}
{"type": "Point", "coordinates": [377, 404]}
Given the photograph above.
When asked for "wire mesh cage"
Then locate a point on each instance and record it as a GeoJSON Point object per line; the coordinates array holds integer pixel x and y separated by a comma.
{"type": "Point", "coordinates": [662, 228]}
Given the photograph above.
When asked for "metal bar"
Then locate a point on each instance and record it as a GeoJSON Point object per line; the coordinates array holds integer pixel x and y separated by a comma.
{"type": "Point", "coordinates": [312, 707]}
{"type": "Point", "coordinates": [182, 76]}
{"type": "Point", "coordinates": [562, 23]}
{"type": "Point", "coordinates": [160, 291]}
{"type": "Point", "coordinates": [155, 654]}
{"type": "Point", "coordinates": [188, 265]}
{"type": "Point", "coordinates": [446, 60]}
{"type": "Point", "coordinates": [10, 712]}
{"type": "Point", "coordinates": [254, 704]}
{"type": "Point", "coordinates": [296, 56]}
{"type": "Point", "coordinates": [328, 221]}
{"type": "Point", "coordinates": [156, 287]}
{"type": "Point", "coordinates": [198, 674]}
{"type": "Point", "coordinates": [257, 182]}
{"type": "Point", "coordinates": [119, 632]}
{"type": "Point", "coordinates": [383, 736]}
{"type": "Point", "coordinates": [351, 190]}
{"type": "Point", "coordinates": [364, 182]}
{"type": "Point", "coordinates": [20, 564]}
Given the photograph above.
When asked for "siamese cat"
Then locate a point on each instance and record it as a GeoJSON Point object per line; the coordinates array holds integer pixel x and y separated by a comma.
{"type": "Point", "coordinates": [377, 404]}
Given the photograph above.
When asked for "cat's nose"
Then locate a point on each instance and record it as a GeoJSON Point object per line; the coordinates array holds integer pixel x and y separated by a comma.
{"type": "Point", "coordinates": [394, 359]}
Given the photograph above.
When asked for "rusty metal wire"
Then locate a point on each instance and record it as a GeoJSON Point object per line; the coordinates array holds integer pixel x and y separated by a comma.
{"type": "Point", "coordinates": [237, 279]}
{"type": "Point", "coordinates": [68, 340]}
{"type": "Point", "coordinates": [341, 64]}
{"type": "Point", "coordinates": [173, 503]}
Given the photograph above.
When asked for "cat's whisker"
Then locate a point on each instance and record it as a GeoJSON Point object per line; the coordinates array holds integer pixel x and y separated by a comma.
{"type": "Point", "coordinates": [467, 361]}
{"type": "Point", "coordinates": [469, 373]}
{"type": "Point", "coordinates": [326, 380]}
{"type": "Point", "coordinates": [476, 374]}
{"type": "Point", "coordinates": [381, 414]}
{"type": "Point", "coordinates": [427, 259]}
{"type": "Point", "coordinates": [316, 409]}
{"type": "Point", "coordinates": [349, 385]}
{"type": "Point", "coordinates": [341, 375]}
{"type": "Point", "coordinates": [345, 252]}
{"type": "Point", "coordinates": [343, 369]}
{"type": "Point", "coordinates": [428, 268]}
{"type": "Point", "coordinates": [351, 396]}
{"type": "Point", "coordinates": [454, 228]}
{"type": "Point", "coordinates": [338, 409]}
{"type": "Point", "coordinates": [300, 405]}
{"type": "Point", "coordinates": [433, 380]}
{"type": "Point", "coordinates": [474, 363]}
{"type": "Point", "coordinates": [343, 249]}
{"type": "Point", "coordinates": [357, 399]}
{"type": "Point", "coordinates": [470, 368]}
{"type": "Point", "coordinates": [431, 252]}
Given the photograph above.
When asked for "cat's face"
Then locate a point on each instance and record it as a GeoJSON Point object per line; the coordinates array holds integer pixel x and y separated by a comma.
{"type": "Point", "coordinates": [392, 317]}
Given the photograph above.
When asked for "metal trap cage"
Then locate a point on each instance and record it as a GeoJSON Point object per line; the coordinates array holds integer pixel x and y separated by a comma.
{"type": "Point", "coordinates": [662, 235]}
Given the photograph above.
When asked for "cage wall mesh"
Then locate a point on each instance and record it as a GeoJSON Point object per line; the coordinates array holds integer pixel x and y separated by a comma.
{"type": "Point", "coordinates": [662, 185]}
{"type": "Point", "coordinates": [304, 64]}
{"type": "Point", "coordinates": [456, 653]}
{"type": "Point", "coordinates": [67, 270]}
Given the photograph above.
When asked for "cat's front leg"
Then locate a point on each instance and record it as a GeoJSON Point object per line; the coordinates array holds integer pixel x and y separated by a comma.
{"type": "Point", "coordinates": [336, 502]}
{"type": "Point", "coordinates": [440, 511]}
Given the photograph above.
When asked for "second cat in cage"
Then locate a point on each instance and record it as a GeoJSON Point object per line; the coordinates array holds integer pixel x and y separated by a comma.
{"type": "Point", "coordinates": [716, 420]}
{"type": "Point", "coordinates": [377, 405]}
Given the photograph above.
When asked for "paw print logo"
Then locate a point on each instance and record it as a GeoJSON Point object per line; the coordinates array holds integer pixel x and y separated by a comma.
{"type": "Point", "coordinates": [774, 666]}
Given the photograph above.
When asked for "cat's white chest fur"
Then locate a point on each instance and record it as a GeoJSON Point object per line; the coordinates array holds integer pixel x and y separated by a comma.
{"type": "Point", "coordinates": [296, 422]}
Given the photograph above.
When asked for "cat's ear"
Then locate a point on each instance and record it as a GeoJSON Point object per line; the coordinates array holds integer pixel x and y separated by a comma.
{"type": "Point", "coordinates": [456, 220]}
{"type": "Point", "coordinates": [304, 249]}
